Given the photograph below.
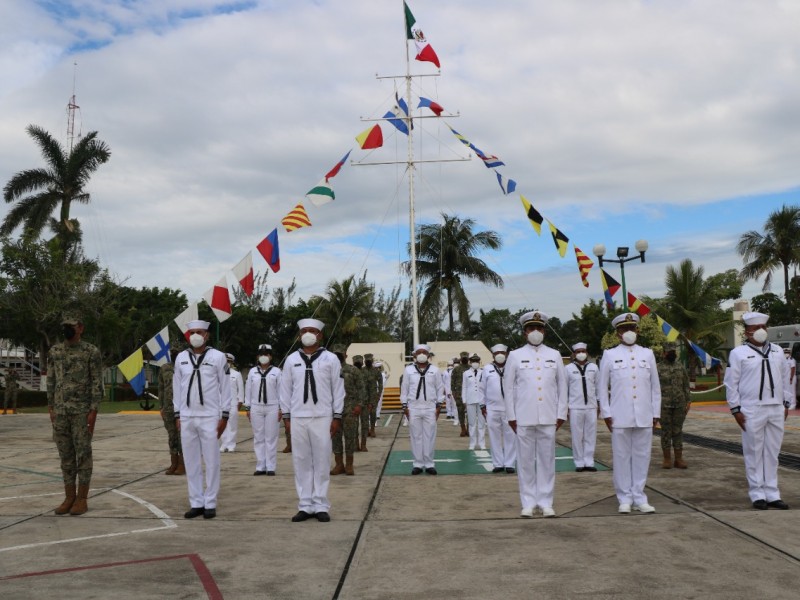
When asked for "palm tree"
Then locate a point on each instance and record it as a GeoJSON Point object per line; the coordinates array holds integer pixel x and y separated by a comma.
{"type": "Point", "coordinates": [446, 258]}
{"type": "Point", "coordinates": [346, 309]}
{"type": "Point", "coordinates": [778, 246]}
{"type": "Point", "coordinates": [39, 192]}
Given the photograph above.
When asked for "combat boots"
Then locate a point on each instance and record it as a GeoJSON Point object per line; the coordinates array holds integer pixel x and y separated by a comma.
{"type": "Point", "coordinates": [371, 431]}
{"type": "Point", "coordinates": [464, 432]}
{"type": "Point", "coordinates": [348, 466]}
{"type": "Point", "coordinates": [679, 462]}
{"type": "Point", "coordinates": [80, 506]}
{"type": "Point", "coordinates": [69, 500]}
{"type": "Point", "coordinates": [288, 448]}
{"type": "Point", "coordinates": [363, 446]}
{"type": "Point", "coordinates": [181, 468]}
{"type": "Point", "coordinates": [338, 469]}
{"type": "Point", "coordinates": [667, 462]}
{"type": "Point", "coordinates": [173, 464]}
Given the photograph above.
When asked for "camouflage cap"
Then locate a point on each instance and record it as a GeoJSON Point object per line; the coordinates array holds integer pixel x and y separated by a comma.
{"type": "Point", "coordinates": [71, 319]}
{"type": "Point", "coordinates": [464, 354]}
{"type": "Point", "coordinates": [670, 346]}
{"type": "Point", "coordinates": [339, 349]}
{"type": "Point", "coordinates": [368, 357]}
{"type": "Point", "coordinates": [358, 357]}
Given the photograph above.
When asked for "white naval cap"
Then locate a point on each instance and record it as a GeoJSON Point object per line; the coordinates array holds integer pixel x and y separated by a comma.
{"type": "Point", "coordinates": [311, 323]}
{"type": "Point", "coordinates": [198, 324]}
{"type": "Point", "coordinates": [230, 356]}
{"type": "Point", "coordinates": [498, 348]}
{"type": "Point", "coordinates": [264, 348]}
{"type": "Point", "coordinates": [419, 347]}
{"type": "Point", "coordinates": [533, 317]}
{"type": "Point", "coordinates": [377, 363]}
{"type": "Point", "coordinates": [625, 319]}
{"type": "Point", "coordinates": [755, 318]}
{"type": "Point", "coordinates": [579, 346]}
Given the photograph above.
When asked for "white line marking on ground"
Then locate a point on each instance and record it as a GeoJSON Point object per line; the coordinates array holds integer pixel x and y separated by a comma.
{"type": "Point", "coordinates": [389, 420]}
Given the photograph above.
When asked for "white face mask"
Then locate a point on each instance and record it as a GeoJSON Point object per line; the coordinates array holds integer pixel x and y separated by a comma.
{"type": "Point", "coordinates": [500, 359]}
{"type": "Point", "coordinates": [308, 339]}
{"type": "Point", "coordinates": [474, 364]}
{"type": "Point", "coordinates": [760, 336]}
{"type": "Point", "coordinates": [580, 356]}
{"type": "Point", "coordinates": [629, 337]}
{"type": "Point", "coordinates": [535, 337]}
{"type": "Point", "coordinates": [263, 360]}
{"type": "Point", "coordinates": [197, 340]}
{"type": "Point", "coordinates": [421, 358]}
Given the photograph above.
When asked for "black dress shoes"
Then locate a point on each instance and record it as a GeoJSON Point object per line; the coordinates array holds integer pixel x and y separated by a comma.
{"type": "Point", "coordinates": [580, 469]}
{"type": "Point", "coordinates": [260, 473]}
{"type": "Point", "coordinates": [301, 516]}
{"type": "Point", "coordinates": [591, 469]}
{"type": "Point", "coordinates": [271, 473]}
{"type": "Point", "coordinates": [760, 504]}
{"type": "Point", "coordinates": [431, 471]}
{"type": "Point", "coordinates": [323, 517]}
{"type": "Point", "coordinates": [511, 470]}
{"type": "Point", "coordinates": [416, 471]}
{"type": "Point", "coordinates": [779, 504]}
{"type": "Point", "coordinates": [210, 513]}
{"type": "Point", "coordinates": [498, 470]}
{"type": "Point", "coordinates": [193, 512]}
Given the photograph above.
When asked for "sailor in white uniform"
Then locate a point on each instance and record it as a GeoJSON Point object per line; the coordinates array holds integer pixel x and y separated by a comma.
{"type": "Point", "coordinates": [450, 403]}
{"type": "Point", "coordinates": [472, 398]}
{"type": "Point", "coordinates": [201, 395]}
{"type": "Point", "coordinates": [262, 403]}
{"type": "Point", "coordinates": [227, 443]}
{"type": "Point", "coordinates": [759, 395]}
{"type": "Point", "coordinates": [631, 409]}
{"type": "Point", "coordinates": [502, 439]}
{"type": "Point", "coordinates": [312, 400]}
{"type": "Point", "coordinates": [536, 407]}
{"type": "Point", "coordinates": [582, 377]}
{"type": "Point", "coordinates": [422, 397]}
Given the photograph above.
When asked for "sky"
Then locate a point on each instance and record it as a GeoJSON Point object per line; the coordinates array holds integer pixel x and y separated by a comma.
{"type": "Point", "coordinates": [673, 121]}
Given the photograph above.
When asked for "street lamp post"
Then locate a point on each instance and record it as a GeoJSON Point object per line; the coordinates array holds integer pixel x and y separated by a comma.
{"type": "Point", "coordinates": [622, 257]}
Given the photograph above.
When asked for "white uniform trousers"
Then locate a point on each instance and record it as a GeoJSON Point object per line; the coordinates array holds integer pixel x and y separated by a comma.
{"type": "Point", "coordinates": [583, 426]}
{"type": "Point", "coordinates": [199, 444]}
{"type": "Point", "coordinates": [422, 431]}
{"type": "Point", "coordinates": [264, 421]}
{"type": "Point", "coordinates": [536, 465]}
{"type": "Point", "coordinates": [761, 443]}
{"type": "Point", "coordinates": [228, 438]}
{"type": "Point", "coordinates": [631, 454]}
{"type": "Point", "coordinates": [311, 458]}
{"type": "Point", "coordinates": [378, 409]}
{"type": "Point", "coordinates": [450, 406]}
{"type": "Point", "coordinates": [501, 439]}
{"type": "Point", "coordinates": [477, 427]}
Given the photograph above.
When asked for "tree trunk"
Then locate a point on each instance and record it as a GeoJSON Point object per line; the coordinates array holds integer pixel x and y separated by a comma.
{"type": "Point", "coordinates": [786, 283]}
{"type": "Point", "coordinates": [450, 311]}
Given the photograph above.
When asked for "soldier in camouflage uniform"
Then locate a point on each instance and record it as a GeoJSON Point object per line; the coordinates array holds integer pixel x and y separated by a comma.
{"type": "Point", "coordinates": [165, 374]}
{"type": "Point", "coordinates": [358, 363]}
{"type": "Point", "coordinates": [74, 391]}
{"type": "Point", "coordinates": [354, 396]}
{"type": "Point", "coordinates": [10, 396]}
{"type": "Point", "coordinates": [456, 377]}
{"type": "Point", "coordinates": [374, 391]}
{"type": "Point", "coordinates": [675, 404]}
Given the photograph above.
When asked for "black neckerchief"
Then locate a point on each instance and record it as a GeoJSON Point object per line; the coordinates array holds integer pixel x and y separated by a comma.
{"type": "Point", "coordinates": [422, 387]}
{"type": "Point", "coordinates": [500, 371]}
{"type": "Point", "coordinates": [262, 389]}
{"type": "Point", "coordinates": [582, 371]}
{"type": "Point", "coordinates": [196, 371]}
{"type": "Point", "coordinates": [765, 363]}
{"type": "Point", "coordinates": [310, 382]}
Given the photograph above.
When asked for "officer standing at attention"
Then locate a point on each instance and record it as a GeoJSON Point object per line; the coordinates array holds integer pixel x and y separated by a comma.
{"type": "Point", "coordinates": [582, 377]}
{"type": "Point", "coordinates": [536, 407]}
{"type": "Point", "coordinates": [422, 397]}
{"type": "Point", "coordinates": [787, 353]}
{"type": "Point", "coordinates": [759, 395]}
{"type": "Point", "coordinates": [201, 393]}
{"type": "Point", "coordinates": [262, 403]}
{"type": "Point", "coordinates": [472, 399]}
{"type": "Point", "coordinates": [675, 403]}
{"type": "Point", "coordinates": [631, 410]}
{"type": "Point", "coordinates": [227, 443]}
{"type": "Point", "coordinates": [312, 401]}
{"type": "Point", "coordinates": [74, 391]}
{"type": "Point", "coordinates": [362, 430]}
{"type": "Point", "coordinates": [456, 382]}
{"type": "Point", "coordinates": [374, 391]}
{"type": "Point", "coordinates": [12, 387]}
{"type": "Point", "coordinates": [344, 440]}
{"type": "Point", "coordinates": [165, 375]}
{"type": "Point", "coordinates": [501, 436]}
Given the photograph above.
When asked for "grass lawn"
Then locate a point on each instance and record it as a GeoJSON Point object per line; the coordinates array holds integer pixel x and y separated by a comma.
{"type": "Point", "coordinates": [708, 382]}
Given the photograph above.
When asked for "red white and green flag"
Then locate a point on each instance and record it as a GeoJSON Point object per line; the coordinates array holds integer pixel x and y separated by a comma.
{"type": "Point", "coordinates": [425, 52]}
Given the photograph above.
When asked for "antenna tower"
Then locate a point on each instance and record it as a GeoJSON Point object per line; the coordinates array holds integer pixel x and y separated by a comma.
{"type": "Point", "coordinates": [71, 109]}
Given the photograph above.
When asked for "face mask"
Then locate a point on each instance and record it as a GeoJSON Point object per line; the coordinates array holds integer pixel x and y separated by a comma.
{"type": "Point", "coordinates": [760, 336]}
{"type": "Point", "coordinates": [308, 339]}
{"type": "Point", "coordinates": [263, 360]}
{"type": "Point", "coordinates": [474, 364]}
{"type": "Point", "coordinates": [369, 364]}
{"type": "Point", "coordinates": [196, 340]}
{"type": "Point", "coordinates": [358, 364]}
{"type": "Point", "coordinates": [421, 358]}
{"type": "Point", "coordinates": [629, 337]}
{"type": "Point", "coordinates": [580, 356]}
{"type": "Point", "coordinates": [68, 331]}
{"type": "Point", "coordinates": [535, 337]}
{"type": "Point", "coordinates": [500, 359]}
{"type": "Point", "coordinates": [464, 361]}
{"type": "Point", "coordinates": [671, 356]}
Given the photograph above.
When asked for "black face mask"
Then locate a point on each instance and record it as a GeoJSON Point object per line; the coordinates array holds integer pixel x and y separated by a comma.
{"type": "Point", "coordinates": [68, 331]}
{"type": "Point", "coordinates": [464, 361]}
{"type": "Point", "coordinates": [670, 356]}
{"type": "Point", "coordinates": [369, 364]}
{"type": "Point", "coordinates": [358, 364]}
{"type": "Point", "coordinates": [340, 357]}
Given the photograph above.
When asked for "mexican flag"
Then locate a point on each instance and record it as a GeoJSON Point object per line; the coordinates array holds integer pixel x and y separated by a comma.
{"type": "Point", "coordinates": [425, 52]}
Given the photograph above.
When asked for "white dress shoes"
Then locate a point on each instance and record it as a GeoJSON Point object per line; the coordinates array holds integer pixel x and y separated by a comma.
{"type": "Point", "coordinates": [624, 509]}
{"type": "Point", "coordinates": [644, 508]}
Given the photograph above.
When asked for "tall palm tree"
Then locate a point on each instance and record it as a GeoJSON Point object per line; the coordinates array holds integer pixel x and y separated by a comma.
{"type": "Point", "coordinates": [39, 192]}
{"type": "Point", "coordinates": [346, 309]}
{"type": "Point", "coordinates": [446, 258]}
{"type": "Point", "coordinates": [778, 246]}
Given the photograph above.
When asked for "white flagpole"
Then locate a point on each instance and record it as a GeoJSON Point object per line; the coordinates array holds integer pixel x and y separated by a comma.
{"type": "Point", "coordinates": [411, 216]}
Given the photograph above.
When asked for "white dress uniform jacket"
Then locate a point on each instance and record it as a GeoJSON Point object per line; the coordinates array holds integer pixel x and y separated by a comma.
{"type": "Point", "coordinates": [535, 385]}
{"type": "Point", "coordinates": [583, 412]}
{"type": "Point", "coordinates": [576, 381]}
{"type": "Point", "coordinates": [421, 392]}
{"type": "Point", "coordinates": [743, 379]}
{"type": "Point", "coordinates": [262, 399]}
{"type": "Point", "coordinates": [501, 437]}
{"type": "Point", "coordinates": [297, 398]}
{"type": "Point", "coordinates": [634, 398]}
{"type": "Point", "coordinates": [228, 439]}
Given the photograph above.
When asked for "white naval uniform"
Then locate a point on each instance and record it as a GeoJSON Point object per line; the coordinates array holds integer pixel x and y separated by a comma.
{"type": "Point", "coordinates": [384, 377]}
{"type": "Point", "coordinates": [502, 440]}
{"type": "Point", "coordinates": [262, 399]}
{"type": "Point", "coordinates": [763, 408]}
{"type": "Point", "coordinates": [450, 402]}
{"type": "Point", "coordinates": [421, 392]}
{"type": "Point", "coordinates": [536, 397]}
{"type": "Point", "coordinates": [472, 398]}
{"type": "Point", "coordinates": [228, 439]}
{"type": "Point", "coordinates": [793, 381]}
{"type": "Point", "coordinates": [633, 402]}
{"type": "Point", "coordinates": [311, 422]}
{"type": "Point", "coordinates": [201, 395]}
{"type": "Point", "coordinates": [582, 411]}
